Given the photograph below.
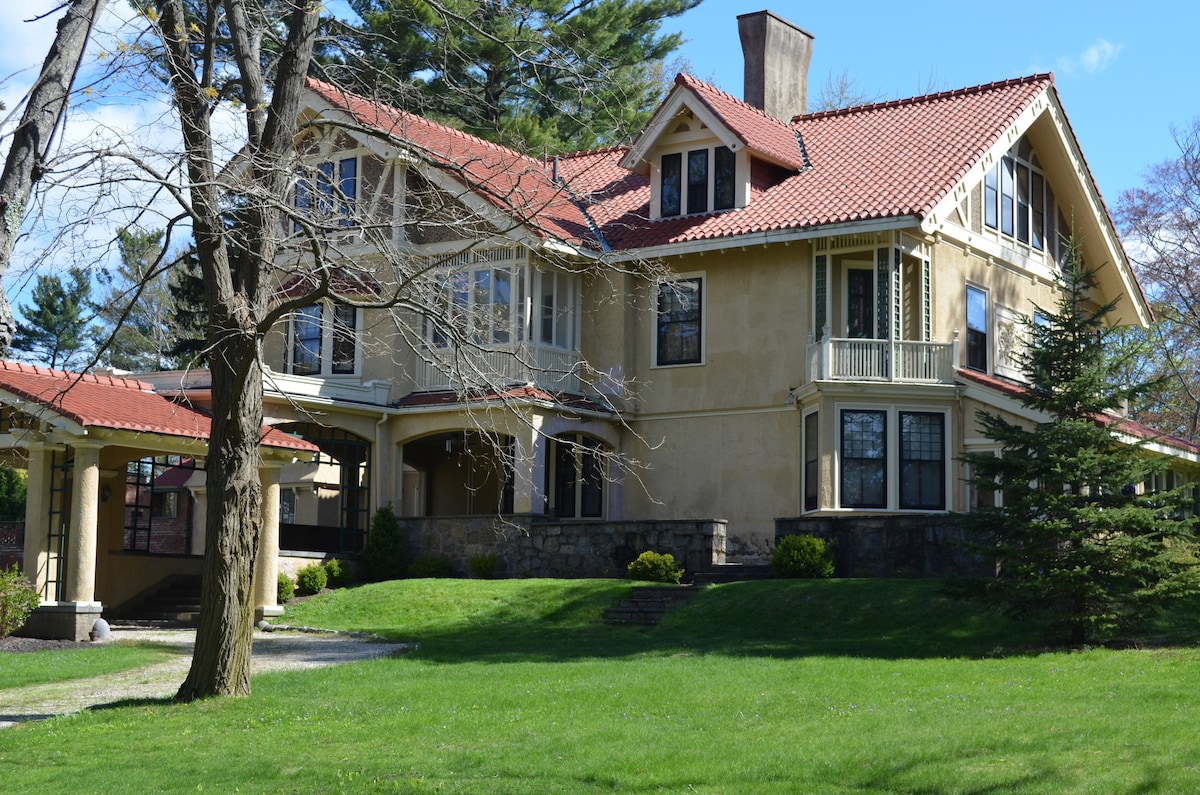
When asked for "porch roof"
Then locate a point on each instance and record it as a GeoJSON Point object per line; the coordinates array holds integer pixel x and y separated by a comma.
{"type": "Point", "coordinates": [1125, 425]}
{"type": "Point", "coordinates": [112, 402]}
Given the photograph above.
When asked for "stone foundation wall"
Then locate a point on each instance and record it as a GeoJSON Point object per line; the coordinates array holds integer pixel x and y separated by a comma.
{"type": "Point", "coordinates": [533, 547]}
{"type": "Point", "coordinates": [891, 546]}
{"type": "Point", "coordinates": [12, 543]}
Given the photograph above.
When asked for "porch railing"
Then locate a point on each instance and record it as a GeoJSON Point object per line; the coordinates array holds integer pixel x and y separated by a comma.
{"type": "Point", "coordinates": [458, 368]}
{"type": "Point", "coordinates": [908, 361]}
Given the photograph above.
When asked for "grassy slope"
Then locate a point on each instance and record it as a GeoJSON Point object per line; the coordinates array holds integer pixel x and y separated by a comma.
{"type": "Point", "coordinates": [765, 687]}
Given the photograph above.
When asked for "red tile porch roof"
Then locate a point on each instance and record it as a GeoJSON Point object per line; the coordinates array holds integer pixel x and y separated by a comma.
{"type": "Point", "coordinates": [1123, 425]}
{"type": "Point", "coordinates": [103, 401]}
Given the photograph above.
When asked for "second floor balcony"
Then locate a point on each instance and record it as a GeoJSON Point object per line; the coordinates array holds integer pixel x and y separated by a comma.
{"type": "Point", "coordinates": [873, 360]}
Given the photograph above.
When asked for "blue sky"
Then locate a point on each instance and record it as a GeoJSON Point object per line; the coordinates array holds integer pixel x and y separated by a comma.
{"type": "Point", "coordinates": [1125, 72]}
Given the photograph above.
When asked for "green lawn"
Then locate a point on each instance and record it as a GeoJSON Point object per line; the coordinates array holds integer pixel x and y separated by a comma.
{"type": "Point", "coordinates": [834, 686]}
{"type": "Point", "coordinates": [40, 667]}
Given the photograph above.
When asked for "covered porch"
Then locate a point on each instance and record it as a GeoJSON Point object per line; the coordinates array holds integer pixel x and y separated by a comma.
{"type": "Point", "coordinates": [873, 312]}
{"type": "Point", "coordinates": [116, 491]}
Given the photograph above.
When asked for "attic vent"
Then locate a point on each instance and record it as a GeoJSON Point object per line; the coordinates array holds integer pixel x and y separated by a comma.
{"type": "Point", "coordinates": [683, 126]}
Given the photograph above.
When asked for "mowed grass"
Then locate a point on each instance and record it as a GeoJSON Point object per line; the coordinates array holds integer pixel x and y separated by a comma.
{"type": "Point", "coordinates": [40, 667]}
{"type": "Point", "coordinates": [836, 686]}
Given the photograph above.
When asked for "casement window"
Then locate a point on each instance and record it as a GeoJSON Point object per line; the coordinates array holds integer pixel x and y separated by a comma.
{"type": "Point", "coordinates": [922, 460]}
{"type": "Point", "coordinates": [679, 337]}
{"type": "Point", "coordinates": [873, 457]}
{"type": "Point", "coordinates": [330, 190]}
{"type": "Point", "coordinates": [977, 329]}
{"type": "Point", "coordinates": [812, 472]}
{"type": "Point", "coordinates": [324, 340]}
{"type": "Point", "coordinates": [694, 181]}
{"type": "Point", "coordinates": [557, 301]}
{"type": "Point", "coordinates": [864, 459]}
{"type": "Point", "coordinates": [1017, 199]}
{"type": "Point", "coordinates": [575, 475]}
{"type": "Point", "coordinates": [484, 305]}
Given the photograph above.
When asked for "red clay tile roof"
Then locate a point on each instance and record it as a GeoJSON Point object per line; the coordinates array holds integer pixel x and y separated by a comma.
{"type": "Point", "coordinates": [117, 403]}
{"type": "Point", "coordinates": [1120, 424]}
{"type": "Point", "coordinates": [514, 183]}
{"type": "Point", "coordinates": [758, 130]}
{"type": "Point", "coordinates": [888, 160]}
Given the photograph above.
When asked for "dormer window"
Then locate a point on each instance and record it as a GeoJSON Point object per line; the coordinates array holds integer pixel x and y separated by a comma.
{"type": "Point", "coordinates": [709, 176]}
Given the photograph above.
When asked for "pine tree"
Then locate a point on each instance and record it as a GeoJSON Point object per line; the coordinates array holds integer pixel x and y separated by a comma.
{"type": "Point", "coordinates": [1076, 542]}
{"type": "Point", "coordinates": [190, 320]}
{"type": "Point", "coordinates": [57, 327]}
{"type": "Point", "coordinates": [538, 75]}
{"type": "Point", "coordinates": [137, 309]}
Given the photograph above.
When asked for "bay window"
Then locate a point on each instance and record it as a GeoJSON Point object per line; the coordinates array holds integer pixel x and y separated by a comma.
{"type": "Point", "coordinates": [873, 457]}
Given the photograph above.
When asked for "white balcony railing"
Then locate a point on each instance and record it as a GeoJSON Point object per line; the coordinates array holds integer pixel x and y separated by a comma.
{"type": "Point", "coordinates": [906, 361]}
{"type": "Point", "coordinates": [553, 369]}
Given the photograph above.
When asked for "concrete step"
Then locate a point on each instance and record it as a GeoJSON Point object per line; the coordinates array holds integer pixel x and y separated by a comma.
{"type": "Point", "coordinates": [647, 605]}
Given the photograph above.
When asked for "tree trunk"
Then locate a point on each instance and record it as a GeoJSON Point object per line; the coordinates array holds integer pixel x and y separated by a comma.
{"type": "Point", "coordinates": [221, 662]}
{"type": "Point", "coordinates": [44, 109]}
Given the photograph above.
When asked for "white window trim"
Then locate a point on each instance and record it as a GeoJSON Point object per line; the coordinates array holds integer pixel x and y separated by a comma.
{"type": "Point", "coordinates": [326, 154]}
{"type": "Point", "coordinates": [326, 353]}
{"type": "Point", "coordinates": [681, 277]}
{"type": "Point", "coordinates": [892, 458]}
{"type": "Point", "coordinates": [741, 178]}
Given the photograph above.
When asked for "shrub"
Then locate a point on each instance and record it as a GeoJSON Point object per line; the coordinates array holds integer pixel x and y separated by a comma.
{"type": "Point", "coordinates": [431, 566]}
{"type": "Point", "coordinates": [484, 567]}
{"type": "Point", "coordinates": [337, 572]}
{"type": "Point", "coordinates": [653, 567]}
{"type": "Point", "coordinates": [311, 578]}
{"type": "Point", "coordinates": [286, 590]}
{"type": "Point", "coordinates": [18, 598]}
{"type": "Point", "coordinates": [802, 556]}
{"type": "Point", "coordinates": [383, 556]}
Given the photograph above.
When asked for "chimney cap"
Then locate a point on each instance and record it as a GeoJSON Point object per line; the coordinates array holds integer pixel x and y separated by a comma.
{"type": "Point", "coordinates": [773, 15]}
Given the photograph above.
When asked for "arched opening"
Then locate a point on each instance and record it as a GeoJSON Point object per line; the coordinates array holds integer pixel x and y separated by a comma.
{"type": "Point", "coordinates": [576, 474]}
{"type": "Point", "coordinates": [458, 473]}
{"type": "Point", "coordinates": [325, 505]}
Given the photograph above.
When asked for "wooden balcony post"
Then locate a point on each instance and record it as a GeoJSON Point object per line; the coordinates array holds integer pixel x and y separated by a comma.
{"type": "Point", "coordinates": [826, 352]}
{"type": "Point", "coordinates": [954, 355]}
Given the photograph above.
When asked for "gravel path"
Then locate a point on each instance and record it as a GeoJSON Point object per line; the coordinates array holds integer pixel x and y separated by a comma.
{"type": "Point", "coordinates": [273, 651]}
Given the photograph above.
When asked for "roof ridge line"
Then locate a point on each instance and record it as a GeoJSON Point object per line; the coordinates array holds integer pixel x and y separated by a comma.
{"type": "Point", "coordinates": [937, 95]}
{"type": "Point", "coordinates": [120, 381]}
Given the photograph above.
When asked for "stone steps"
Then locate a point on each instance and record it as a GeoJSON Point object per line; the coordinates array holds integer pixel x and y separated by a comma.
{"type": "Point", "coordinates": [647, 605]}
{"type": "Point", "coordinates": [734, 572]}
{"type": "Point", "coordinates": [176, 600]}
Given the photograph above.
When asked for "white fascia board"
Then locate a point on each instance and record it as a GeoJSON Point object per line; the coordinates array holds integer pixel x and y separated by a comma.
{"type": "Point", "coordinates": [676, 101]}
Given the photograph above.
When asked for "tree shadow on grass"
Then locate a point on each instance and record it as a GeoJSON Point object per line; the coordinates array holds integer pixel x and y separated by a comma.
{"type": "Point", "coordinates": [884, 619]}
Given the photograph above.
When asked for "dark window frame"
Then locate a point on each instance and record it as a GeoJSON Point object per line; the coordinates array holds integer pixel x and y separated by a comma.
{"type": "Point", "coordinates": [863, 481]}
{"type": "Point", "coordinates": [679, 337]}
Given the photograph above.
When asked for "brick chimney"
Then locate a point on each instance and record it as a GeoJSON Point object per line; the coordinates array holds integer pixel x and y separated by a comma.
{"type": "Point", "coordinates": [776, 55]}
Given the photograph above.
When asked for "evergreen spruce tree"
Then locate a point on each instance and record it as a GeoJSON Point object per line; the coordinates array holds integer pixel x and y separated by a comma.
{"type": "Point", "coordinates": [56, 329]}
{"type": "Point", "coordinates": [1076, 542]}
{"type": "Point", "coordinates": [190, 321]}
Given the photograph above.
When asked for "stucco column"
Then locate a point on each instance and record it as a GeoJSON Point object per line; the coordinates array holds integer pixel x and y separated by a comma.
{"type": "Point", "coordinates": [528, 469]}
{"type": "Point", "coordinates": [37, 518]}
{"type": "Point", "coordinates": [266, 564]}
{"type": "Point", "coordinates": [81, 545]}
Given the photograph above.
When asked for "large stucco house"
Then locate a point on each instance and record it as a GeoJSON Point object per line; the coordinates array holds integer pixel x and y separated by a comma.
{"type": "Point", "coordinates": [749, 315]}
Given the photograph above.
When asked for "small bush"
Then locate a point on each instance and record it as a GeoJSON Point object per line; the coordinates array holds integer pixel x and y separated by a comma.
{"type": "Point", "coordinates": [653, 567]}
{"type": "Point", "coordinates": [383, 557]}
{"type": "Point", "coordinates": [311, 578]}
{"type": "Point", "coordinates": [802, 556]}
{"type": "Point", "coordinates": [18, 598]}
{"type": "Point", "coordinates": [484, 567]}
{"type": "Point", "coordinates": [286, 590]}
{"type": "Point", "coordinates": [431, 566]}
{"type": "Point", "coordinates": [337, 572]}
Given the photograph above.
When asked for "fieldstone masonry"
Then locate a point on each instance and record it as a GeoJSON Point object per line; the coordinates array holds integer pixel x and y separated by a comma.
{"type": "Point", "coordinates": [892, 546]}
{"type": "Point", "coordinates": [527, 546]}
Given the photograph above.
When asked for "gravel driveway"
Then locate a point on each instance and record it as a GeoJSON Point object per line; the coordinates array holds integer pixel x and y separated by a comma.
{"type": "Point", "coordinates": [273, 651]}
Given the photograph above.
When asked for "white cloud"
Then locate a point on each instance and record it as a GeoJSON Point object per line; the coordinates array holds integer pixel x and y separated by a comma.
{"type": "Point", "coordinates": [1095, 59]}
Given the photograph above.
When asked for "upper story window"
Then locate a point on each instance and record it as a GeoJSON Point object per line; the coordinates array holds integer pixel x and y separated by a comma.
{"type": "Point", "coordinates": [491, 297]}
{"type": "Point", "coordinates": [977, 329]}
{"type": "Point", "coordinates": [1017, 199]}
{"type": "Point", "coordinates": [696, 180]}
{"type": "Point", "coordinates": [323, 339]}
{"type": "Point", "coordinates": [680, 324]}
{"type": "Point", "coordinates": [331, 190]}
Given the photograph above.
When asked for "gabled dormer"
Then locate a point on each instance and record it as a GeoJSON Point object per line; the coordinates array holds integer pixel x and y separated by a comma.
{"type": "Point", "coordinates": [699, 147]}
